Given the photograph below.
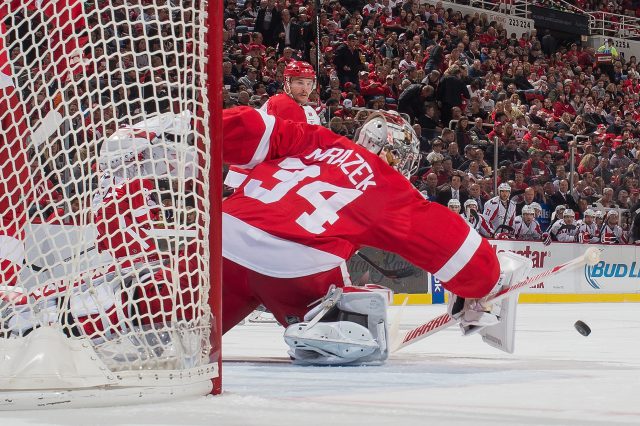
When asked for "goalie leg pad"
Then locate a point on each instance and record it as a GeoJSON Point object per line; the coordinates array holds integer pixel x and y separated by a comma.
{"type": "Point", "coordinates": [352, 331]}
{"type": "Point", "coordinates": [515, 268]}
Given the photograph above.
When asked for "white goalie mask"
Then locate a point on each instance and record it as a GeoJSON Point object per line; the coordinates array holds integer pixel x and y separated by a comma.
{"type": "Point", "coordinates": [389, 132]}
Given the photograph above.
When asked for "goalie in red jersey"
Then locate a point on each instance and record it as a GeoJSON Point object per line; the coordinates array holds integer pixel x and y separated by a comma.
{"type": "Point", "coordinates": [311, 199]}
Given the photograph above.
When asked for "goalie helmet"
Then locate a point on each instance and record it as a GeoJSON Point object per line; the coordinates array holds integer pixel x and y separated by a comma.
{"type": "Point", "coordinates": [389, 132]}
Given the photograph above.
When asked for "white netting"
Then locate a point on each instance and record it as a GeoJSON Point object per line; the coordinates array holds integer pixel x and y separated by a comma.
{"type": "Point", "coordinates": [105, 165]}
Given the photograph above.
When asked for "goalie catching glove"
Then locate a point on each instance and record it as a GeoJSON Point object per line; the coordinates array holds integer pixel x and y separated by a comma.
{"type": "Point", "coordinates": [349, 327]}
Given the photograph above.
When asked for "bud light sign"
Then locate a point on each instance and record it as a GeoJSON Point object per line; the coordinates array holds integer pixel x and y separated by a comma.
{"type": "Point", "coordinates": [610, 270]}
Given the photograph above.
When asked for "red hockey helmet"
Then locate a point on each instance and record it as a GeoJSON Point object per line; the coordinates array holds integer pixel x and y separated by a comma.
{"type": "Point", "coordinates": [299, 69]}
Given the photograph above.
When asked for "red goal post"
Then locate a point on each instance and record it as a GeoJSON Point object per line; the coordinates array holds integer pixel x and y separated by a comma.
{"type": "Point", "coordinates": [110, 201]}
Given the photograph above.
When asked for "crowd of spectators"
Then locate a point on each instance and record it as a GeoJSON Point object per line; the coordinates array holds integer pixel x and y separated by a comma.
{"type": "Point", "coordinates": [463, 82]}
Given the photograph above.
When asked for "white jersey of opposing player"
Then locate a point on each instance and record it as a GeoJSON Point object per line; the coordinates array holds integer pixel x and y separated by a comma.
{"type": "Point", "coordinates": [482, 225]}
{"type": "Point", "coordinates": [612, 235]}
{"type": "Point", "coordinates": [563, 232]}
{"type": "Point", "coordinates": [530, 232]}
{"type": "Point", "coordinates": [592, 230]}
{"type": "Point", "coordinates": [495, 211]}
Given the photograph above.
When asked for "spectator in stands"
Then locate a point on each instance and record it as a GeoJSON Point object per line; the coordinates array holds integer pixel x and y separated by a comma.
{"type": "Point", "coordinates": [347, 61]}
{"type": "Point", "coordinates": [451, 93]}
{"type": "Point", "coordinates": [412, 100]}
{"type": "Point", "coordinates": [268, 22]}
{"type": "Point", "coordinates": [452, 190]}
{"type": "Point", "coordinates": [620, 160]}
{"type": "Point", "coordinates": [289, 33]}
{"type": "Point", "coordinates": [606, 201]}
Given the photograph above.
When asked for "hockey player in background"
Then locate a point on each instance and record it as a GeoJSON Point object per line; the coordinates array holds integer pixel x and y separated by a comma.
{"type": "Point", "coordinates": [611, 232]}
{"type": "Point", "coordinates": [564, 230]}
{"type": "Point", "coordinates": [311, 199]}
{"type": "Point", "coordinates": [501, 209]}
{"type": "Point", "coordinates": [299, 82]}
{"type": "Point", "coordinates": [478, 221]}
{"type": "Point", "coordinates": [586, 230]}
{"type": "Point", "coordinates": [454, 205]}
{"type": "Point", "coordinates": [526, 227]}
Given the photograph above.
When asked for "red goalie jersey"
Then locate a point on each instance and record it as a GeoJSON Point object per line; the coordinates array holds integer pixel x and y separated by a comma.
{"type": "Point", "coordinates": [123, 213]}
{"type": "Point", "coordinates": [313, 198]}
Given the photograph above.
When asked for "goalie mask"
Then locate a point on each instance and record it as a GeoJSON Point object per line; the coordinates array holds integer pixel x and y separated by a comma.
{"type": "Point", "coordinates": [388, 135]}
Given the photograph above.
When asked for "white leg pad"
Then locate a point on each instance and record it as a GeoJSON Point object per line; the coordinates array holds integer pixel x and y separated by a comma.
{"type": "Point", "coordinates": [352, 331]}
{"type": "Point", "coordinates": [502, 335]}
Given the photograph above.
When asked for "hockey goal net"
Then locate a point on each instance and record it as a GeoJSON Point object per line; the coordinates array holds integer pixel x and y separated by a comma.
{"type": "Point", "coordinates": [109, 263]}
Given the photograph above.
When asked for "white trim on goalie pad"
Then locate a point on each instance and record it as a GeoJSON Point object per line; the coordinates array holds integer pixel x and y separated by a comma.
{"type": "Point", "coordinates": [248, 246]}
{"type": "Point", "coordinates": [46, 369]}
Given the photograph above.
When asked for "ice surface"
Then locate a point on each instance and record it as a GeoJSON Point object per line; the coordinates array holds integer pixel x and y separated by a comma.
{"type": "Point", "coordinates": [555, 377]}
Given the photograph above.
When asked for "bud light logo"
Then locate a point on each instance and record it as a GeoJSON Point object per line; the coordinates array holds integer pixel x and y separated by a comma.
{"type": "Point", "coordinates": [610, 270]}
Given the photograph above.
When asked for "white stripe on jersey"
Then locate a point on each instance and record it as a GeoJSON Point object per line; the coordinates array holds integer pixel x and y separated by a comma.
{"type": "Point", "coordinates": [263, 147]}
{"type": "Point", "coordinates": [460, 259]}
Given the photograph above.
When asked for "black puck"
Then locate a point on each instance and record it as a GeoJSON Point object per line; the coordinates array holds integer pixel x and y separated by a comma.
{"type": "Point", "coordinates": [582, 328]}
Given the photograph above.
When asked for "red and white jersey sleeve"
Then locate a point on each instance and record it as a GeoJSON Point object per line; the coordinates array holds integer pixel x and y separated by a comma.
{"type": "Point", "coordinates": [123, 214]}
{"type": "Point", "coordinates": [495, 210]}
{"type": "Point", "coordinates": [530, 232]}
{"type": "Point", "coordinates": [282, 106]}
{"type": "Point", "coordinates": [313, 198]}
